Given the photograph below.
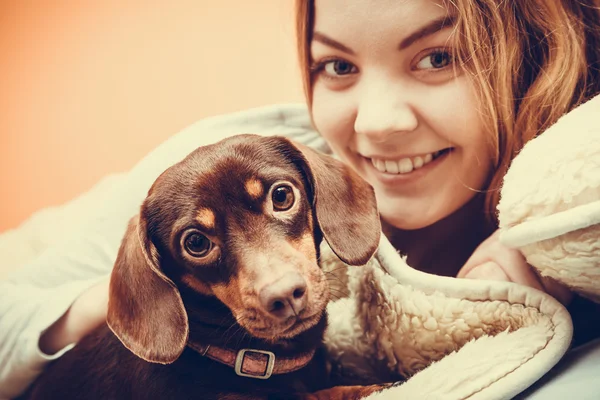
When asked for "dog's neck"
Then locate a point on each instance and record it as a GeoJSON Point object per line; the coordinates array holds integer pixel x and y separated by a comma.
{"type": "Point", "coordinates": [213, 324]}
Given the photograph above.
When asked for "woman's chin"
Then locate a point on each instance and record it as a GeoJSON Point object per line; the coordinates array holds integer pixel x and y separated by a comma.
{"type": "Point", "coordinates": [416, 218]}
{"type": "Point", "coordinates": [419, 213]}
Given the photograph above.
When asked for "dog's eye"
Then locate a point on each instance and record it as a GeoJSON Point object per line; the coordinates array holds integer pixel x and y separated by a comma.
{"type": "Point", "coordinates": [283, 198]}
{"type": "Point", "coordinates": [197, 245]}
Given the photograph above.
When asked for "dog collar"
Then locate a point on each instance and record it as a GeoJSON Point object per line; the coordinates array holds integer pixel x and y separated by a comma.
{"type": "Point", "coordinates": [252, 363]}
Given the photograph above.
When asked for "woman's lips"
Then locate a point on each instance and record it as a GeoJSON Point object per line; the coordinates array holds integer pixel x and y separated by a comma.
{"type": "Point", "coordinates": [405, 169]}
{"type": "Point", "coordinates": [405, 165]}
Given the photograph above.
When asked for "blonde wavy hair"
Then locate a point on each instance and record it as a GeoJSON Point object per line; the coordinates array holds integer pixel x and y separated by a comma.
{"type": "Point", "coordinates": [531, 62]}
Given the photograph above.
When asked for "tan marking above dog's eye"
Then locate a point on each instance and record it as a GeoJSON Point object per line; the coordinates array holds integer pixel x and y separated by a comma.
{"type": "Point", "coordinates": [282, 197]}
{"type": "Point", "coordinates": [206, 218]}
{"type": "Point", "coordinates": [254, 188]}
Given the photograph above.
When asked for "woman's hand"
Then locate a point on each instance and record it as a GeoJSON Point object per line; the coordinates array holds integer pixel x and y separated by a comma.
{"type": "Point", "coordinates": [86, 313]}
{"type": "Point", "coordinates": [494, 261]}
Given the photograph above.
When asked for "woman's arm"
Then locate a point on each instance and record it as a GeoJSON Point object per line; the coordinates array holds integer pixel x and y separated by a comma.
{"type": "Point", "coordinates": [54, 287]}
{"type": "Point", "coordinates": [25, 311]}
{"type": "Point", "coordinates": [87, 312]}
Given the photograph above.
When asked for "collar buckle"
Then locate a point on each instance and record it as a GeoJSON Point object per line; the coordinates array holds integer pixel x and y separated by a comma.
{"type": "Point", "coordinates": [239, 362]}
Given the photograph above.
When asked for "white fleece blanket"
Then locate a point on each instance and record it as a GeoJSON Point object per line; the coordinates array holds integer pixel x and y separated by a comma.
{"type": "Point", "coordinates": [449, 338]}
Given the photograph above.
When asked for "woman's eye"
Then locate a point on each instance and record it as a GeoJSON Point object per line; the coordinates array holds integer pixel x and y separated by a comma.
{"type": "Point", "coordinates": [197, 245]}
{"type": "Point", "coordinates": [334, 68]}
{"type": "Point", "coordinates": [283, 198]}
{"type": "Point", "coordinates": [435, 60]}
{"type": "Point", "coordinates": [339, 67]}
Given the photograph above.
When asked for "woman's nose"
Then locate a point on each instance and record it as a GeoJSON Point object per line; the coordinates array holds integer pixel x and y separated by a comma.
{"type": "Point", "coordinates": [382, 113]}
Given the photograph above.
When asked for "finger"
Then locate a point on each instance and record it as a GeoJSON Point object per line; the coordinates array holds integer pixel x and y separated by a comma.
{"type": "Point", "coordinates": [515, 266]}
{"type": "Point", "coordinates": [511, 262]}
{"type": "Point", "coordinates": [487, 271]}
{"type": "Point", "coordinates": [481, 255]}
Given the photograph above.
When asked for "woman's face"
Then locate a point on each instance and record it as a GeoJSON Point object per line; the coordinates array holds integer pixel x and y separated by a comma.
{"type": "Point", "coordinates": [387, 100]}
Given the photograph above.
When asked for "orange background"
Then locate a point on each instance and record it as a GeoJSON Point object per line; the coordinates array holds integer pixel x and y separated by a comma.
{"type": "Point", "coordinates": [88, 88]}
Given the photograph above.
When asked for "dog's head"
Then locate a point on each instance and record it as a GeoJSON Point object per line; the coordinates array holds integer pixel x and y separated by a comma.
{"type": "Point", "coordinates": [240, 221]}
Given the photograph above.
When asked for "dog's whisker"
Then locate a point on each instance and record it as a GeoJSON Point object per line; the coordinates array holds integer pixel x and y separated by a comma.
{"type": "Point", "coordinates": [232, 334]}
{"type": "Point", "coordinates": [339, 292]}
{"type": "Point", "coordinates": [338, 295]}
{"type": "Point", "coordinates": [334, 290]}
{"type": "Point", "coordinates": [331, 278]}
{"type": "Point", "coordinates": [335, 269]}
{"type": "Point", "coordinates": [223, 325]}
{"type": "Point", "coordinates": [329, 275]}
{"type": "Point", "coordinates": [242, 338]}
{"type": "Point", "coordinates": [226, 320]}
{"type": "Point", "coordinates": [332, 272]}
{"type": "Point", "coordinates": [229, 327]}
{"type": "Point", "coordinates": [336, 284]}
{"type": "Point", "coordinates": [236, 333]}
{"type": "Point", "coordinates": [335, 279]}
{"type": "Point", "coordinates": [239, 328]}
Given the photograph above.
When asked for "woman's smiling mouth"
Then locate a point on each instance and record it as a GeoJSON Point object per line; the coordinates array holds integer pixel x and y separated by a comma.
{"type": "Point", "coordinates": [406, 165]}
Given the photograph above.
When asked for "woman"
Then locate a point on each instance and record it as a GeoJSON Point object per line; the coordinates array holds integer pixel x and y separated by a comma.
{"type": "Point", "coordinates": [430, 101]}
{"type": "Point", "coordinates": [427, 100]}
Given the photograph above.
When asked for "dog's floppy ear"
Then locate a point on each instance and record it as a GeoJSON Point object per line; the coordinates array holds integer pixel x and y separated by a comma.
{"type": "Point", "coordinates": [344, 203]}
{"type": "Point", "coordinates": [145, 309]}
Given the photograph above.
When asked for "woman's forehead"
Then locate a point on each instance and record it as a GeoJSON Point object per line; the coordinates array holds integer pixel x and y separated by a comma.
{"type": "Point", "coordinates": [363, 25]}
{"type": "Point", "coordinates": [375, 16]}
{"type": "Point", "coordinates": [368, 26]}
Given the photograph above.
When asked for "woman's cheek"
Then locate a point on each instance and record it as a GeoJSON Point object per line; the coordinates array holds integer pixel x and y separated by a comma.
{"type": "Point", "coordinates": [328, 116]}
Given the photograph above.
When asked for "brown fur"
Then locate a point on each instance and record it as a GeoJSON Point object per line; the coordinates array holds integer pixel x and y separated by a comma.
{"type": "Point", "coordinates": [164, 297]}
{"type": "Point", "coordinates": [195, 284]}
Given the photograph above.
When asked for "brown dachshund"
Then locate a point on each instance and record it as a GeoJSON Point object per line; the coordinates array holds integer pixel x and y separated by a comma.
{"type": "Point", "coordinates": [216, 292]}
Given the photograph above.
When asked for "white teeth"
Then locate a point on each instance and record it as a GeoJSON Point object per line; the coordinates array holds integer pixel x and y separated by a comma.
{"type": "Point", "coordinates": [404, 165]}
{"type": "Point", "coordinates": [392, 166]}
{"type": "Point", "coordinates": [417, 162]}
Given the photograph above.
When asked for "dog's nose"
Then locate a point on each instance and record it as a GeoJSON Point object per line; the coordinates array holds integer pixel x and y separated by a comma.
{"type": "Point", "coordinates": [285, 297]}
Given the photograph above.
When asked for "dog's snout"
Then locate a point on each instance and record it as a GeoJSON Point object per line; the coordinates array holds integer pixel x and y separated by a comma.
{"type": "Point", "coordinates": [285, 297]}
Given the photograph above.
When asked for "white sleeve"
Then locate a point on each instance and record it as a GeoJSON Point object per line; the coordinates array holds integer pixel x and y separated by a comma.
{"type": "Point", "coordinates": [39, 293]}
{"type": "Point", "coordinates": [25, 312]}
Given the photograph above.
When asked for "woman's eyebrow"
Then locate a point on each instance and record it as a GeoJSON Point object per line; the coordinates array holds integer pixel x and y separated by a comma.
{"type": "Point", "coordinates": [319, 37]}
{"type": "Point", "coordinates": [429, 29]}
